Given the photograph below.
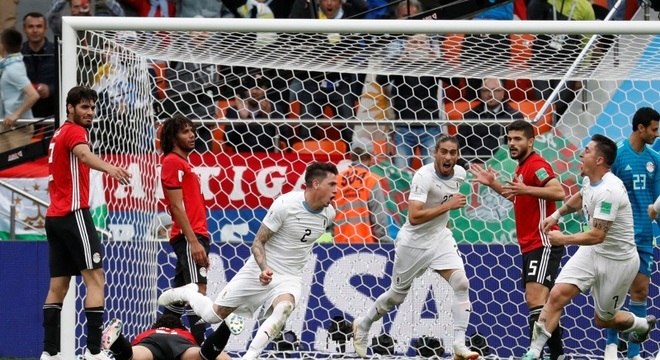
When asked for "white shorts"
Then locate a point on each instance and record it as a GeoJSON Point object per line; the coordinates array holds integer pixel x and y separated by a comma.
{"type": "Point", "coordinates": [609, 280]}
{"type": "Point", "coordinates": [411, 263]}
{"type": "Point", "coordinates": [245, 292]}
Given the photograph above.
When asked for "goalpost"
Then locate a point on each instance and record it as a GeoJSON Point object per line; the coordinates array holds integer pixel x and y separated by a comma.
{"type": "Point", "coordinates": [147, 69]}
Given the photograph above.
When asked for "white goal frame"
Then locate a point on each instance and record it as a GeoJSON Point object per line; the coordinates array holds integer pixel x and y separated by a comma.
{"type": "Point", "coordinates": [70, 26]}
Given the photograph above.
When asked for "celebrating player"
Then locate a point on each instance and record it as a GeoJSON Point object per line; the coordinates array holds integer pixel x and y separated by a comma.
{"type": "Point", "coordinates": [189, 236]}
{"type": "Point", "coordinates": [607, 261]}
{"type": "Point", "coordinates": [425, 242]}
{"type": "Point", "coordinates": [74, 247]}
{"type": "Point", "coordinates": [272, 275]}
{"type": "Point", "coordinates": [533, 192]}
{"type": "Point", "coordinates": [636, 164]}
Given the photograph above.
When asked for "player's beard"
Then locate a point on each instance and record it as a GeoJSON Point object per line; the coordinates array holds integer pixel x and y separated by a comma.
{"type": "Point", "coordinates": [78, 119]}
{"type": "Point", "coordinates": [522, 153]}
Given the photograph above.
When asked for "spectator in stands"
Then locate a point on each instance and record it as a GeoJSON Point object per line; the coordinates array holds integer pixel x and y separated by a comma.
{"type": "Point", "coordinates": [414, 98]}
{"type": "Point", "coordinates": [360, 199]}
{"type": "Point", "coordinates": [480, 141]}
{"type": "Point", "coordinates": [81, 8]}
{"type": "Point", "coordinates": [555, 53]}
{"type": "Point", "coordinates": [16, 93]}
{"type": "Point", "coordinates": [486, 51]}
{"type": "Point", "coordinates": [143, 8]}
{"type": "Point", "coordinates": [8, 10]}
{"type": "Point", "coordinates": [40, 63]}
{"type": "Point", "coordinates": [252, 103]}
{"type": "Point", "coordinates": [316, 90]}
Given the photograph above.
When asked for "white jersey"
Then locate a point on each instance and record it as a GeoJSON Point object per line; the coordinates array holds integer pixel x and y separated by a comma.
{"type": "Point", "coordinates": [431, 189]}
{"type": "Point", "coordinates": [608, 200]}
{"type": "Point", "coordinates": [295, 229]}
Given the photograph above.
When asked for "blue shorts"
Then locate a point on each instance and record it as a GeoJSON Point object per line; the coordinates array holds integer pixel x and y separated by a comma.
{"type": "Point", "coordinates": [646, 259]}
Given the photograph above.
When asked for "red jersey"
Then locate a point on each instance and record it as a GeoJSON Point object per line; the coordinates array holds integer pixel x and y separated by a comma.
{"type": "Point", "coordinates": [167, 331]}
{"type": "Point", "coordinates": [530, 210]}
{"type": "Point", "coordinates": [176, 173]}
{"type": "Point", "coordinates": [68, 177]}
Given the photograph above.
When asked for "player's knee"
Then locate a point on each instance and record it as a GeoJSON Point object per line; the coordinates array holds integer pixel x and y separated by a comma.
{"type": "Point", "coordinates": [459, 282]}
{"type": "Point", "coordinates": [603, 319]}
{"type": "Point", "coordinates": [394, 299]}
{"type": "Point", "coordinates": [285, 308]}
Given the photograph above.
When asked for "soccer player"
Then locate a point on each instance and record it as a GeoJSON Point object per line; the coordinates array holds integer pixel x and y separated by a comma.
{"type": "Point", "coordinates": [166, 339]}
{"type": "Point", "coordinates": [637, 166]}
{"type": "Point", "coordinates": [533, 192]}
{"type": "Point", "coordinates": [189, 235]}
{"type": "Point", "coordinates": [606, 262]}
{"type": "Point", "coordinates": [272, 275]}
{"type": "Point", "coordinates": [74, 247]}
{"type": "Point", "coordinates": [425, 242]}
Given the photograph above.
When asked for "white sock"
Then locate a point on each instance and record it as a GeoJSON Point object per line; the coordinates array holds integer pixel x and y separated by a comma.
{"type": "Point", "coordinates": [639, 324]}
{"type": "Point", "coordinates": [540, 337]}
{"type": "Point", "coordinates": [384, 304]}
{"type": "Point", "coordinates": [203, 307]}
{"type": "Point", "coordinates": [271, 327]}
{"type": "Point", "coordinates": [461, 307]}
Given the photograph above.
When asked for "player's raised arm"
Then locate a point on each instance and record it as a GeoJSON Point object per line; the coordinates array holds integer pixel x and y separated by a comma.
{"type": "Point", "coordinates": [84, 154]}
{"type": "Point", "coordinates": [259, 253]}
{"type": "Point", "coordinates": [486, 177]}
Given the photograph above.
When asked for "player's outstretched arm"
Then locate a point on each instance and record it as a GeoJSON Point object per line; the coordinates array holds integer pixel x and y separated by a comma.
{"type": "Point", "coordinates": [259, 252]}
{"type": "Point", "coordinates": [552, 190]}
{"type": "Point", "coordinates": [487, 177]}
{"type": "Point", "coordinates": [82, 152]}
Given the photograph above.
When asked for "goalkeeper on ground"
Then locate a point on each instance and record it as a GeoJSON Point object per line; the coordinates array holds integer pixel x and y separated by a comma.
{"type": "Point", "coordinates": [166, 339]}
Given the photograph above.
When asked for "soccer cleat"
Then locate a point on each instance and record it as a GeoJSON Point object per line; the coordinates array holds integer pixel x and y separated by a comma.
{"type": "Point", "coordinates": [235, 323]}
{"type": "Point", "coordinates": [100, 356]}
{"type": "Point", "coordinates": [47, 356]}
{"type": "Point", "coordinates": [530, 355]}
{"type": "Point", "coordinates": [177, 295]}
{"type": "Point", "coordinates": [360, 339]}
{"type": "Point", "coordinates": [611, 351]}
{"type": "Point", "coordinates": [638, 337]}
{"type": "Point", "coordinates": [462, 352]}
{"type": "Point", "coordinates": [110, 334]}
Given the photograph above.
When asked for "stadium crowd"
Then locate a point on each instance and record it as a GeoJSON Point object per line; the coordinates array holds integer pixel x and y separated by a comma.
{"type": "Point", "coordinates": [425, 103]}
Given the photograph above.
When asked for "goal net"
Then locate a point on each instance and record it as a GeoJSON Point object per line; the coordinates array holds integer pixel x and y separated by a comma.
{"type": "Point", "coordinates": [270, 96]}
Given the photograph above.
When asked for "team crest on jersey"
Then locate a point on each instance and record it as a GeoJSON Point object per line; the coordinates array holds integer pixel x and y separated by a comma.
{"type": "Point", "coordinates": [650, 167]}
{"type": "Point", "coordinates": [202, 272]}
{"type": "Point", "coordinates": [96, 258]}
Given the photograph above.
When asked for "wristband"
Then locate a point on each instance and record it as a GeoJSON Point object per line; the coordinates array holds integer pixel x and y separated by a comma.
{"type": "Point", "coordinates": [555, 215]}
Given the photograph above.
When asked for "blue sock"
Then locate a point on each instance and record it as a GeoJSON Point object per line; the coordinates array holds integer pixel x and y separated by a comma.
{"type": "Point", "coordinates": [638, 308]}
{"type": "Point", "coordinates": [612, 336]}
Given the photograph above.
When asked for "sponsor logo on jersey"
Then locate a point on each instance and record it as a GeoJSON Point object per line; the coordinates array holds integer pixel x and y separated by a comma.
{"type": "Point", "coordinates": [605, 207]}
{"type": "Point", "coordinates": [541, 174]}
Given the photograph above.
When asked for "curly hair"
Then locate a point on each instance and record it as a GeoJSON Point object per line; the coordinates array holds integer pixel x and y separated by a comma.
{"type": "Point", "coordinates": [169, 321]}
{"type": "Point", "coordinates": [170, 128]}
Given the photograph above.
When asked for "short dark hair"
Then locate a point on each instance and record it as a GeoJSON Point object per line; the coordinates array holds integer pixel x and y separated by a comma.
{"type": "Point", "coordinates": [170, 128]}
{"type": "Point", "coordinates": [644, 116]}
{"type": "Point", "coordinates": [169, 321]}
{"type": "Point", "coordinates": [35, 14]}
{"type": "Point", "coordinates": [78, 94]}
{"type": "Point", "coordinates": [11, 40]}
{"type": "Point", "coordinates": [446, 138]}
{"type": "Point", "coordinates": [606, 147]}
{"type": "Point", "coordinates": [318, 171]}
{"type": "Point", "coordinates": [522, 125]}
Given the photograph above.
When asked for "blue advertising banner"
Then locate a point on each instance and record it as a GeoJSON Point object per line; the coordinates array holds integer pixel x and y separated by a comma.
{"type": "Point", "coordinates": [339, 281]}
